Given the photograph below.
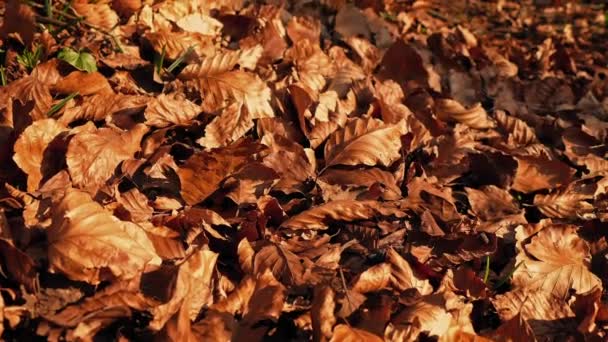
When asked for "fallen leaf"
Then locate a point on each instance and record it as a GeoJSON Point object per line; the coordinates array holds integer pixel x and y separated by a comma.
{"type": "Point", "coordinates": [344, 210]}
{"type": "Point", "coordinates": [343, 332]}
{"type": "Point", "coordinates": [86, 242]}
{"type": "Point", "coordinates": [166, 110]}
{"type": "Point", "coordinates": [365, 141]}
{"type": "Point", "coordinates": [556, 260]}
{"type": "Point", "coordinates": [93, 156]}
{"type": "Point", "coordinates": [31, 146]}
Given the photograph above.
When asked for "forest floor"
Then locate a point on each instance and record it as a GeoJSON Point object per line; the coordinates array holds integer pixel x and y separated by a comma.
{"type": "Point", "coordinates": [324, 170]}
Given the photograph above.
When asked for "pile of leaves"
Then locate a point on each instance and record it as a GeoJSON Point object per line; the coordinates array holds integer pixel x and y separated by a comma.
{"type": "Point", "coordinates": [307, 170]}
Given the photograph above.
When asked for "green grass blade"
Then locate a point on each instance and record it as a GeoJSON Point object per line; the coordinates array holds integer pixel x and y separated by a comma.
{"type": "Point", "coordinates": [487, 272]}
{"type": "Point", "coordinates": [506, 278]}
{"type": "Point", "coordinates": [180, 59]}
{"type": "Point", "coordinates": [57, 107]}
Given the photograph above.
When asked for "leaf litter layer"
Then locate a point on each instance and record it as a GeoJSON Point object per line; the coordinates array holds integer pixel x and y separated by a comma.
{"type": "Point", "coordinates": [314, 170]}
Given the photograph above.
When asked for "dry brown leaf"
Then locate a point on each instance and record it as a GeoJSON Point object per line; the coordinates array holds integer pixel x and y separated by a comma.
{"type": "Point", "coordinates": [267, 299]}
{"type": "Point", "coordinates": [536, 173]}
{"type": "Point", "coordinates": [556, 260]}
{"type": "Point", "coordinates": [430, 313]}
{"type": "Point", "coordinates": [101, 106]}
{"type": "Point", "coordinates": [322, 313]}
{"type": "Point", "coordinates": [568, 202]}
{"type": "Point", "coordinates": [365, 141]}
{"type": "Point", "coordinates": [219, 85]}
{"type": "Point", "coordinates": [31, 146]}
{"type": "Point", "coordinates": [548, 316]}
{"type": "Point", "coordinates": [229, 126]}
{"type": "Point", "coordinates": [170, 109]}
{"type": "Point", "coordinates": [192, 289]}
{"type": "Point", "coordinates": [93, 156]}
{"type": "Point", "coordinates": [402, 275]}
{"type": "Point", "coordinates": [346, 333]}
{"type": "Point", "coordinates": [175, 44]}
{"type": "Point", "coordinates": [237, 300]}
{"type": "Point", "coordinates": [200, 23]}
{"type": "Point", "coordinates": [373, 279]}
{"type": "Point", "coordinates": [84, 83]}
{"type": "Point", "coordinates": [491, 202]}
{"type": "Point", "coordinates": [97, 14]}
{"type": "Point", "coordinates": [515, 329]}
{"type": "Point", "coordinates": [285, 265]}
{"type": "Point", "coordinates": [86, 242]}
{"type": "Point", "coordinates": [342, 210]}
{"type": "Point", "coordinates": [215, 326]}
{"type": "Point", "coordinates": [203, 172]}
{"type": "Point", "coordinates": [136, 205]}
{"type": "Point", "coordinates": [519, 133]}
{"type": "Point", "coordinates": [350, 22]}
{"type": "Point", "coordinates": [126, 8]}
{"type": "Point", "coordinates": [19, 18]}
{"type": "Point", "coordinates": [364, 178]}
{"type": "Point", "coordinates": [474, 117]}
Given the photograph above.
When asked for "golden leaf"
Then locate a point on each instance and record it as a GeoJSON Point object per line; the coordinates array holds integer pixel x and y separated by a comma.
{"type": "Point", "coordinates": [192, 288]}
{"type": "Point", "coordinates": [97, 14]}
{"type": "Point", "coordinates": [93, 156]}
{"type": "Point", "coordinates": [452, 110]}
{"type": "Point", "coordinates": [86, 241]}
{"type": "Point", "coordinates": [31, 146]}
{"type": "Point", "coordinates": [175, 44]}
{"type": "Point", "coordinates": [100, 106]}
{"type": "Point", "coordinates": [203, 172]}
{"type": "Point", "coordinates": [231, 125]}
{"type": "Point", "coordinates": [345, 333]}
{"type": "Point", "coordinates": [568, 202]}
{"type": "Point", "coordinates": [547, 315]}
{"type": "Point", "coordinates": [285, 265]}
{"type": "Point", "coordinates": [556, 260]}
{"type": "Point", "coordinates": [536, 173]}
{"type": "Point", "coordinates": [170, 109]}
{"type": "Point", "coordinates": [519, 133]}
{"type": "Point", "coordinates": [373, 279]}
{"type": "Point", "coordinates": [342, 210]}
{"type": "Point", "coordinates": [237, 300]}
{"type": "Point", "coordinates": [219, 85]}
{"type": "Point", "coordinates": [84, 83]}
{"type": "Point", "coordinates": [200, 23]}
{"type": "Point", "coordinates": [322, 312]}
{"type": "Point", "coordinates": [365, 141]}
